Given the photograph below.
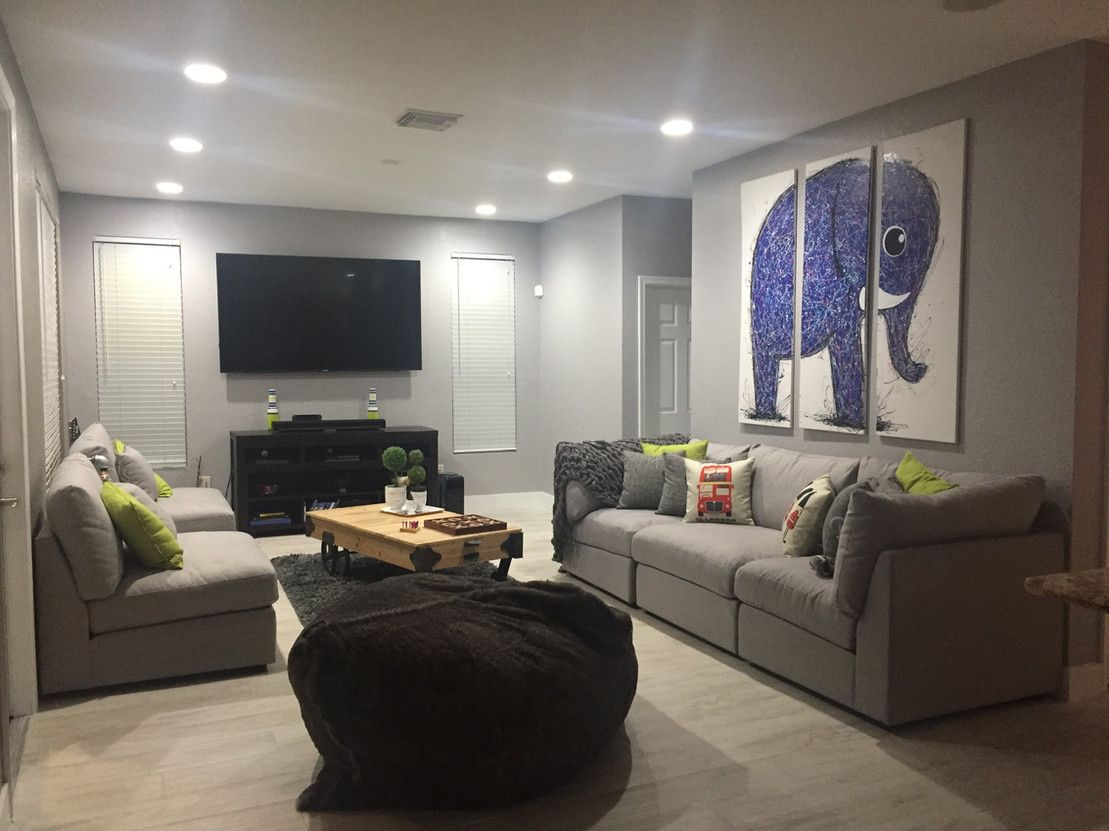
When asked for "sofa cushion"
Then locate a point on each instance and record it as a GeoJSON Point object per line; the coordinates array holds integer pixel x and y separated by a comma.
{"type": "Point", "coordinates": [704, 554]}
{"type": "Point", "coordinates": [133, 467]}
{"type": "Point", "coordinates": [225, 571]}
{"type": "Point", "coordinates": [643, 479]}
{"type": "Point", "coordinates": [781, 474]}
{"type": "Point", "coordinates": [612, 529]}
{"type": "Point", "coordinates": [580, 500]}
{"type": "Point", "coordinates": [718, 492]}
{"type": "Point", "coordinates": [878, 522]}
{"type": "Point", "coordinates": [81, 523]}
{"type": "Point", "coordinates": [672, 500]}
{"type": "Point", "coordinates": [95, 441]}
{"type": "Point", "coordinates": [199, 509]}
{"type": "Point", "coordinates": [789, 589]}
{"type": "Point", "coordinates": [871, 467]}
{"type": "Point", "coordinates": [718, 452]}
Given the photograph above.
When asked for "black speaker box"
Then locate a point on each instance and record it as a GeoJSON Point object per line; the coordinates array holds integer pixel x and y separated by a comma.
{"type": "Point", "coordinates": [452, 492]}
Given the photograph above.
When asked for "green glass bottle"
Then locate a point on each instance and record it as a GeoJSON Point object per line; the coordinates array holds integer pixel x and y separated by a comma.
{"type": "Point", "coordinates": [272, 414]}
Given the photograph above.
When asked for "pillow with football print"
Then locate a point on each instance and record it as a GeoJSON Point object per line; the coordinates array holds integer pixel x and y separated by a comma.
{"type": "Point", "coordinates": [718, 492]}
{"type": "Point", "coordinates": [804, 521]}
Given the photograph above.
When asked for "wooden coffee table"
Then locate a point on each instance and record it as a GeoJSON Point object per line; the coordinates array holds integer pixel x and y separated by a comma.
{"type": "Point", "coordinates": [367, 530]}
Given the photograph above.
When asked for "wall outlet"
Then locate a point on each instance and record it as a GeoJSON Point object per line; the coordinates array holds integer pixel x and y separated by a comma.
{"type": "Point", "coordinates": [442, 468]}
{"type": "Point", "coordinates": [205, 481]}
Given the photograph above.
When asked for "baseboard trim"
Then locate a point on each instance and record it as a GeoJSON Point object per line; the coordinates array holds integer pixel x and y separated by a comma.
{"type": "Point", "coordinates": [1083, 682]}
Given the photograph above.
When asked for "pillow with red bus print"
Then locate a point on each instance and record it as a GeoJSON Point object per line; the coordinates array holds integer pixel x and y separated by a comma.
{"type": "Point", "coordinates": [804, 521]}
{"type": "Point", "coordinates": [718, 491]}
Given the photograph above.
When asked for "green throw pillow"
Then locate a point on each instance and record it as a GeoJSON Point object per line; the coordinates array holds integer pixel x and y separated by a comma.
{"type": "Point", "coordinates": [916, 478]}
{"type": "Point", "coordinates": [120, 447]}
{"type": "Point", "coordinates": [164, 489]}
{"type": "Point", "coordinates": [143, 532]}
{"type": "Point", "coordinates": [696, 450]}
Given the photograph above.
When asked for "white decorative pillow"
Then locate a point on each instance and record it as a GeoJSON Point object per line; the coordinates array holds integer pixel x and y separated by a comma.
{"type": "Point", "coordinates": [718, 492]}
{"type": "Point", "coordinates": [804, 521]}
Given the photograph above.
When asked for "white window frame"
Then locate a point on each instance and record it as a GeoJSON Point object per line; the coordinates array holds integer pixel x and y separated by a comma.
{"type": "Point", "coordinates": [50, 315]}
{"type": "Point", "coordinates": [164, 447]}
{"type": "Point", "coordinates": [492, 443]}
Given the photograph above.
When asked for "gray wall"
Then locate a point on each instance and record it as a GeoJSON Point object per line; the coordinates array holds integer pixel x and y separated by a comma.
{"type": "Point", "coordinates": [1020, 273]}
{"type": "Point", "coordinates": [591, 260]}
{"type": "Point", "coordinates": [217, 403]}
{"type": "Point", "coordinates": [34, 173]}
{"type": "Point", "coordinates": [658, 240]}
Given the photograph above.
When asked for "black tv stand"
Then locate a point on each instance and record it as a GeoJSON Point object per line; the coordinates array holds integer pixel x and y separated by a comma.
{"type": "Point", "coordinates": [277, 475]}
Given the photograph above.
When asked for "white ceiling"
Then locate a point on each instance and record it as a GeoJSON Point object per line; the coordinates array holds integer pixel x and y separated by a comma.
{"type": "Point", "coordinates": [315, 87]}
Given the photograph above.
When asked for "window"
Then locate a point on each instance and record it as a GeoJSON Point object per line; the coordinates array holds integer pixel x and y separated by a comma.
{"type": "Point", "coordinates": [484, 354]}
{"type": "Point", "coordinates": [140, 353]}
{"type": "Point", "coordinates": [51, 341]}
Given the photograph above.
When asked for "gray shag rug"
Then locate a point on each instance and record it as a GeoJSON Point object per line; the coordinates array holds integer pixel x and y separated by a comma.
{"type": "Point", "coordinates": [310, 588]}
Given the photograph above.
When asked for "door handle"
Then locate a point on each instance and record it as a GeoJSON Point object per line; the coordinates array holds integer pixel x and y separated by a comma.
{"type": "Point", "coordinates": [9, 501]}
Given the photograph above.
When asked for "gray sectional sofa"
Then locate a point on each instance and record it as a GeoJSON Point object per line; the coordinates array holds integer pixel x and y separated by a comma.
{"type": "Point", "coordinates": [926, 612]}
{"type": "Point", "coordinates": [101, 618]}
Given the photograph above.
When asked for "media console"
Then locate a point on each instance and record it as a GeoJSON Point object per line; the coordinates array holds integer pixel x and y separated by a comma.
{"type": "Point", "coordinates": [275, 477]}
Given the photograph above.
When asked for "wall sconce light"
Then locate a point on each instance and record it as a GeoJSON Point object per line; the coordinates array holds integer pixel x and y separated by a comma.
{"type": "Point", "coordinates": [539, 290]}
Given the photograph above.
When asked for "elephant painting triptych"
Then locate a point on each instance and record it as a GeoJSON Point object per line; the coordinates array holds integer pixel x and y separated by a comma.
{"type": "Point", "coordinates": [915, 288]}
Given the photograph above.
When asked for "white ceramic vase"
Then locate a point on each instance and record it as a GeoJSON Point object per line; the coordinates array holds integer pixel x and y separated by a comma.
{"type": "Point", "coordinates": [420, 498]}
{"type": "Point", "coordinates": [395, 496]}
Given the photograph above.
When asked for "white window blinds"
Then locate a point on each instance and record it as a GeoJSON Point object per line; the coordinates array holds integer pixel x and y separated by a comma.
{"type": "Point", "coordinates": [140, 354]}
{"type": "Point", "coordinates": [484, 355]}
{"type": "Point", "coordinates": [51, 341]}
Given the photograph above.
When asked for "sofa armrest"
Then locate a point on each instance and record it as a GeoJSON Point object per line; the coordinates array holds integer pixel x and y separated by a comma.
{"type": "Point", "coordinates": [61, 621]}
{"type": "Point", "coordinates": [950, 627]}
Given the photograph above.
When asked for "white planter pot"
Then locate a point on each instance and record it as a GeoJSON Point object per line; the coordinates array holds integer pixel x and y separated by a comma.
{"type": "Point", "coordinates": [395, 496]}
{"type": "Point", "coordinates": [420, 498]}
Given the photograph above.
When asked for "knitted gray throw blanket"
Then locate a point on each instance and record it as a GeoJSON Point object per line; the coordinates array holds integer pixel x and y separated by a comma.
{"type": "Point", "coordinates": [599, 465]}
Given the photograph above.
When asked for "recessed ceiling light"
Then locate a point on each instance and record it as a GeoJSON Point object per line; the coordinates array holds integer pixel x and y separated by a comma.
{"type": "Point", "coordinates": [184, 144]}
{"type": "Point", "coordinates": [391, 162]}
{"type": "Point", "coordinates": [169, 187]}
{"type": "Point", "coordinates": [486, 209]}
{"type": "Point", "coordinates": [205, 73]}
{"type": "Point", "coordinates": [677, 127]}
{"type": "Point", "coordinates": [560, 177]}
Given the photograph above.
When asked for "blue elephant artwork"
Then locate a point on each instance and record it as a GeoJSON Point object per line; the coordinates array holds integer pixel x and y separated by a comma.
{"type": "Point", "coordinates": [832, 381]}
{"type": "Point", "coordinates": [919, 283]}
{"type": "Point", "coordinates": [768, 228]}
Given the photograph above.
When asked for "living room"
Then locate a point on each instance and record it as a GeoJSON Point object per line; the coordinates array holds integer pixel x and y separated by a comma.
{"type": "Point", "coordinates": [600, 163]}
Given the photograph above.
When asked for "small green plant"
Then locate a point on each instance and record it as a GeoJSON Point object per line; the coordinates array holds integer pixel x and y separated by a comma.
{"type": "Point", "coordinates": [405, 467]}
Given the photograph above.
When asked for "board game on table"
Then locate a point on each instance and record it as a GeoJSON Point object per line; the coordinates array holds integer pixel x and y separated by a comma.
{"type": "Point", "coordinates": [367, 530]}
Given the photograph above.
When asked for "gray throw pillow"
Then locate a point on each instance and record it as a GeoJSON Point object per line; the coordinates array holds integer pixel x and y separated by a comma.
{"type": "Point", "coordinates": [878, 522]}
{"type": "Point", "coordinates": [132, 467]}
{"type": "Point", "coordinates": [672, 501]}
{"type": "Point", "coordinates": [643, 477]}
{"type": "Point", "coordinates": [95, 441]}
{"type": "Point", "coordinates": [825, 563]}
{"type": "Point", "coordinates": [80, 521]}
{"type": "Point", "coordinates": [144, 499]}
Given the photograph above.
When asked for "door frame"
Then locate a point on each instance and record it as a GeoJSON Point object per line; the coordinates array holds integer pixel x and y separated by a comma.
{"type": "Point", "coordinates": [644, 282]}
{"type": "Point", "coordinates": [17, 669]}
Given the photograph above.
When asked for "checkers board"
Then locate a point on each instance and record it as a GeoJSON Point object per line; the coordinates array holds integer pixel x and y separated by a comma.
{"type": "Point", "coordinates": [465, 524]}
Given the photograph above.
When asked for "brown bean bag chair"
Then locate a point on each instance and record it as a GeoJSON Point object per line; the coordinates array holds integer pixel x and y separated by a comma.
{"type": "Point", "coordinates": [434, 691]}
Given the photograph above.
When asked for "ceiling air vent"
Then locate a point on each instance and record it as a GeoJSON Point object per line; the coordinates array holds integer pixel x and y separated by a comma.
{"type": "Point", "coordinates": [424, 120]}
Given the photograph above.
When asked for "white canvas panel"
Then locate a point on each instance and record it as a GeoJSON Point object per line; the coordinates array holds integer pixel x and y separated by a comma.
{"type": "Point", "coordinates": [835, 223]}
{"type": "Point", "coordinates": [769, 235]}
{"type": "Point", "coordinates": [919, 279]}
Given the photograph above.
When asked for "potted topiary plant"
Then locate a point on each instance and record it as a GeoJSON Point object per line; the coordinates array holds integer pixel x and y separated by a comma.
{"type": "Point", "coordinates": [408, 474]}
{"type": "Point", "coordinates": [417, 476]}
{"type": "Point", "coordinates": [394, 459]}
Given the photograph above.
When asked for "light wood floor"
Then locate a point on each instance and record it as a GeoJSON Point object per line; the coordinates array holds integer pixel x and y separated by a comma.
{"type": "Point", "coordinates": [710, 743]}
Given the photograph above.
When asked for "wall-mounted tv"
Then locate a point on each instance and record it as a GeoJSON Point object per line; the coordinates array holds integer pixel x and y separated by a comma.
{"type": "Point", "coordinates": [312, 314]}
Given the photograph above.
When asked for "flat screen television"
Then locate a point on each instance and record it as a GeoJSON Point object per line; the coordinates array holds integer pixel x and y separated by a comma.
{"type": "Point", "coordinates": [313, 314]}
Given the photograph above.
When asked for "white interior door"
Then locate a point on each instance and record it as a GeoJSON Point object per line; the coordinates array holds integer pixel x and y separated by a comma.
{"type": "Point", "coordinates": [664, 340]}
